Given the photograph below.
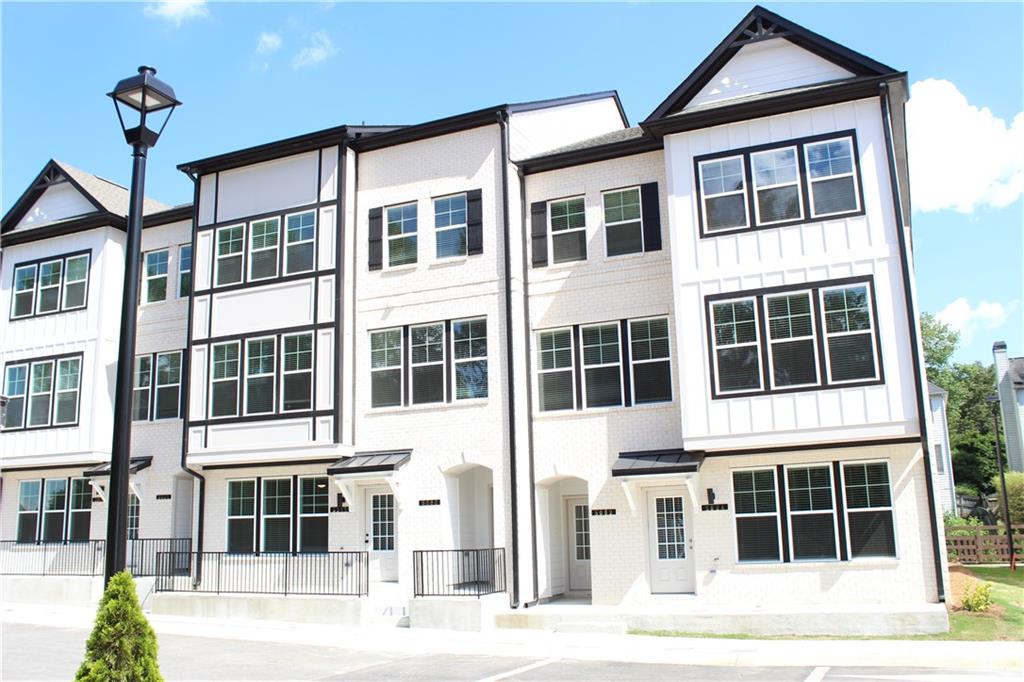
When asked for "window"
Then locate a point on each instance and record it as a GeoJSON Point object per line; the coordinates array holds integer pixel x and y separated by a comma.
{"type": "Point", "coordinates": [401, 235]}
{"type": "Point", "coordinates": [76, 277]}
{"type": "Point", "coordinates": [940, 464]}
{"type": "Point", "coordinates": [155, 275]}
{"type": "Point", "coordinates": [724, 194]}
{"type": "Point", "coordinates": [168, 385]}
{"type": "Point", "coordinates": [184, 270]}
{"type": "Point", "coordinates": [298, 251]}
{"type": "Point", "coordinates": [649, 354]}
{"type": "Point", "coordinates": [469, 348]}
{"type": "Point", "coordinates": [568, 224]}
{"type": "Point", "coordinates": [277, 515]}
{"type": "Point", "coordinates": [382, 522]}
{"type": "Point", "coordinates": [142, 385]}
{"type": "Point", "coordinates": [386, 368]}
{"type": "Point", "coordinates": [581, 528]}
{"type": "Point", "coordinates": [81, 510]}
{"type": "Point", "coordinates": [450, 226]}
{"type": "Point", "coordinates": [49, 286]}
{"type": "Point", "coordinates": [671, 529]}
{"type": "Point", "coordinates": [313, 506]}
{"type": "Point", "coordinates": [850, 346]}
{"type": "Point", "coordinates": [602, 368]}
{"type": "Point", "coordinates": [241, 515]}
{"type": "Point", "coordinates": [24, 291]}
{"type": "Point", "coordinates": [228, 264]}
{"type": "Point", "coordinates": [812, 516]}
{"type": "Point", "coordinates": [868, 500]}
{"type": "Point", "coordinates": [623, 222]}
{"type": "Point", "coordinates": [133, 516]}
{"type": "Point", "coordinates": [224, 380]}
{"type": "Point", "coordinates": [15, 388]}
{"type": "Point", "coordinates": [39, 394]}
{"type": "Point", "coordinates": [427, 362]}
{"type": "Point", "coordinates": [832, 184]}
{"type": "Point", "coordinates": [259, 375]}
{"type": "Point", "coordinates": [555, 373]}
{"type": "Point", "coordinates": [297, 373]}
{"type": "Point", "coordinates": [792, 352]}
{"type": "Point", "coordinates": [28, 510]}
{"type": "Point", "coordinates": [757, 515]}
{"type": "Point", "coordinates": [69, 373]}
{"type": "Point", "coordinates": [776, 186]}
{"type": "Point", "coordinates": [737, 353]}
{"type": "Point", "coordinates": [263, 239]}
{"type": "Point", "coordinates": [54, 503]}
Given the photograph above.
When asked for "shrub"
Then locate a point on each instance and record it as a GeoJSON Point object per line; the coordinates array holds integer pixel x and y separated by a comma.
{"type": "Point", "coordinates": [959, 526]}
{"type": "Point", "coordinates": [1015, 493]}
{"type": "Point", "coordinates": [122, 646]}
{"type": "Point", "coordinates": [977, 596]}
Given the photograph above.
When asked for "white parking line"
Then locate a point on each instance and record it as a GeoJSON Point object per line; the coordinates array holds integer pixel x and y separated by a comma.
{"type": "Point", "coordinates": [817, 675]}
{"type": "Point", "coordinates": [521, 669]}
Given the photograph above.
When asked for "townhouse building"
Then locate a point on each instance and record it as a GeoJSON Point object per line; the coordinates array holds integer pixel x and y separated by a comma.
{"type": "Point", "coordinates": [533, 349]}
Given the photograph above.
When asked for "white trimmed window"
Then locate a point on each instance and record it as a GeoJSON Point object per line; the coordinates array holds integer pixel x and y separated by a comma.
{"type": "Point", "coordinates": [300, 233]}
{"type": "Point", "coordinates": [167, 401]}
{"type": "Point", "coordinates": [792, 348]}
{"type": "Point", "coordinates": [386, 368]}
{"type": "Point", "coordinates": [297, 372]}
{"type": "Point", "coordinates": [602, 366]}
{"type": "Point", "coordinates": [260, 359]}
{"type": "Point", "coordinates": [28, 510]}
{"type": "Point", "coordinates": [776, 186]}
{"type": "Point", "coordinates": [450, 226]}
{"type": "Point", "coordinates": [24, 298]}
{"type": "Point", "coordinates": [555, 369]}
{"type": "Point", "coordinates": [242, 516]}
{"type": "Point", "coordinates": [623, 222]}
{"type": "Point", "coordinates": [40, 393]}
{"type": "Point", "coordinates": [76, 278]}
{"type": "Point", "coordinates": [723, 189]}
{"type": "Point", "coordinates": [427, 363]}
{"type": "Point", "coordinates": [277, 515]}
{"type": "Point", "coordinates": [263, 242]}
{"type": "Point", "coordinates": [133, 516]}
{"type": "Point", "coordinates": [228, 263]}
{"type": "Point", "coordinates": [155, 275]}
{"type": "Point", "coordinates": [567, 223]}
{"type": "Point", "coordinates": [831, 174]}
{"type": "Point", "coordinates": [402, 230]}
{"type": "Point", "coordinates": [54, 503]}
{"type": "Point", "coordinates": [81, 510]}
{"type": "Point", "coordinates": [867, 498]}
{"type": "Point", "coordinates": [69, 375]}
{"type": "Point", "coordinates": [224, 380]}
{"type": "Point", "coordinates": [650, 357]}
{"type": "Point", "coordinates": [184, 270]}
{"type": "Point", "coordinates": [758, 536]}
{"type": "Point", "coordinates": [813, 534]}
{"type": "Point", "coordinates": [737, 351]}
{"type": "Point", "coordinates": [48, 299]}
{"type": "Point", "coordinates": [469, 356]}
{"type": "Point", "coordinates": [16, 389]}
{"type": "Point", "coordinates": [142, 385]}
{"type": "Point", "coordinates": [314, 500]}
{"type": "Point", "coordinates": [850, 350]}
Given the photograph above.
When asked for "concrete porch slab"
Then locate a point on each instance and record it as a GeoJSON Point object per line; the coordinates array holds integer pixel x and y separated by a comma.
{"type": "Point", "coordinates": [329, 610]}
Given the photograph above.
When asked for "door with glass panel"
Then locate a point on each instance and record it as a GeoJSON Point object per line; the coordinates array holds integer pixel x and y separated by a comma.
{"type": "Point", "coordinates": [380, 517]}
{"type": "Point", "coordinates": [670, 549]}
{"type": "Point", "coordinates": [577, 513]}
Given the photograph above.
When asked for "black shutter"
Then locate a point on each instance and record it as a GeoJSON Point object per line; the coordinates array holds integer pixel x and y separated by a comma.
{"type": "Point", "coordinates": [652, 216]}
{"type": "Point", "coordinates": [539, 232]}
{"type": "Point", "coordinates": [376, 258]}
{"type": "Point", "coordinates": [474, 222]}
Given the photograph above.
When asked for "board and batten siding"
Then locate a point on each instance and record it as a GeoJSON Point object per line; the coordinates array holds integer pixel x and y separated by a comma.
{"type": "Point", "coordinates": [863, 245]}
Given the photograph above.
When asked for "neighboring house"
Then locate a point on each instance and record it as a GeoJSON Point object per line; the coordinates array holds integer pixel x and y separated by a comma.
{"type": "Point", "coordinates": [533, 349]}
{"type": "Point", "coordinates": [942, 458]}
{"type": "Point", "coordinates": [1010, 385]}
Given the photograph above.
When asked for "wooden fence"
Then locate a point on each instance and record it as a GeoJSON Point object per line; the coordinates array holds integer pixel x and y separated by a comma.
{"type": "Point", "coordinates": [983, 544]}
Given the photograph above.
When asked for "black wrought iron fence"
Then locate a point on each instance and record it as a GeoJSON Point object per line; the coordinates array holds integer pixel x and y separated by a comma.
{"type": "Point", "coordinates": [142, 552]}
{"type": "Point", "coordinates": [458, 572]}
{"type": "Point", "coordinates": [320, 573]}
{"type": "Point", "coordinates": [51, 558]}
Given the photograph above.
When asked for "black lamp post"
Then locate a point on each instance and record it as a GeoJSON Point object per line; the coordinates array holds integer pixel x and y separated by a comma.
{"type": "Point", "coordinates": [136, 99]}
{"type": "Point", "coordinates": [993, 401]}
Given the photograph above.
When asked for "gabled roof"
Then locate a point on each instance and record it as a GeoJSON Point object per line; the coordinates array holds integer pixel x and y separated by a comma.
{"type": "Point", "coordinates": [757, 26]}
{"type": "Point", "coordinates": [934, 389]}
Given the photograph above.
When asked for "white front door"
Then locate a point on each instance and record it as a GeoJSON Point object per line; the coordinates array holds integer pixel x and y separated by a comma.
{"type": "Point", "coordinates": [381, 538]}
{"type": "Point", "coordinates": [669, 547]}
{"type": "Point", "coordinates": [577, 513]}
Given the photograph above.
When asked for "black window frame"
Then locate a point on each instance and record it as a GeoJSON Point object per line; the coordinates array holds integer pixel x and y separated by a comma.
{"type": "Point", "coordinates": [792, 513]}
{"type": "Point", "coordinates": [551, 234]}
{"type": "Point", "coordinates": [62, 306]}
{"type": "Point", "coordinates": [300, 541]}
{"type": "Point", "coordinates": [633, 361]}
{"type": "Point", "coordinates": [256, 499]}
{"type": "Point", "coordinates": [147, 278]}
{"type": "Point", "coordinates": [478, 360]}
{"type": "Point", "coordinates": [848, 512]}
{"type": "Point", "coordinates": [54, 361]}
{"type": "Point", "coordinates": [184, 290]}
{"type": "Point", "coordinates": [749, 191]}
{"type": "Point", "coordinates": [777, 513]}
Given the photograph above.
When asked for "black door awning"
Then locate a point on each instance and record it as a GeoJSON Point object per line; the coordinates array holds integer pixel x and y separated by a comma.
{"type": "Point", "coordinates": [650, 462]}
{"type": "Point", "coordinates": [135, 465]}
{"type": "Point", "coordinates": [370, 462]}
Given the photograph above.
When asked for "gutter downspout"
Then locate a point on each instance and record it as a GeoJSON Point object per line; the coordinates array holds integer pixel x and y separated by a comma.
{"type": "Point", "coordinates": [914, 339]}
{"type": "Point", "coordinates": [509, 360]}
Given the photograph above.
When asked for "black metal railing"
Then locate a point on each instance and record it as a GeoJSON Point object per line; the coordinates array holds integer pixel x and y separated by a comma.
{"type": "Point", "coordinates": [142, 552]}
{"type": "Point", "coordinates": [51, 558]}
{"type": "Point", "coordinates": [320, 573]}
{"type": "Point", "coordinates": [458, 572]}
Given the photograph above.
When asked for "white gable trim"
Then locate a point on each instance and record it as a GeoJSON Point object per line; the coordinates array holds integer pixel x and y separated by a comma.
{"type": "Point", "coordinates": [57, 202]}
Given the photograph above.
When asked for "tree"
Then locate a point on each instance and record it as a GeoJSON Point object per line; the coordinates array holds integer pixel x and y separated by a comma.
{"type": "Point", "coordinates": [940, 342]}
{"type": "Point", "coordinates": [122, 646]}
{"type": "Point", "coordinates": [1014, 493]}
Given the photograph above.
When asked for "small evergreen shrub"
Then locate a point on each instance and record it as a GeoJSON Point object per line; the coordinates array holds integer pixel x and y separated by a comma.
{"type": "Point", "coordinates": [977, 596]}
{"type": "Point", "coordinates": [122, 646]}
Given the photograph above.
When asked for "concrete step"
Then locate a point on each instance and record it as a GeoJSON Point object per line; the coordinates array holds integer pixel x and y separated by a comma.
{"type": "Point", "coordinates": [611, 627]}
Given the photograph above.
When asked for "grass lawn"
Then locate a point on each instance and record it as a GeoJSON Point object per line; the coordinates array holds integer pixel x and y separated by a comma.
{"type": "Point", "coordinates": [1003, 621]}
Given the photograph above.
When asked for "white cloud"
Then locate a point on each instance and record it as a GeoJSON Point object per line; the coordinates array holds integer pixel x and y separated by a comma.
{"type": "Point", "coordinates": [177, 12]}
{"type": "Point", "coordinates": [269, 43]}
{"type": "Point", "coordinates": [961, 157]}
{"type": "Point", "coordinates": [320, 48]}
{"type": "Point", "coordinates": [967, 320]}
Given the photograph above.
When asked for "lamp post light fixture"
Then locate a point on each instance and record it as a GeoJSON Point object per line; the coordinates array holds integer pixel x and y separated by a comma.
{"type": "Point", "coordinates": [136, 100]}
{"type": "Point", "coordinates": [993, 401]}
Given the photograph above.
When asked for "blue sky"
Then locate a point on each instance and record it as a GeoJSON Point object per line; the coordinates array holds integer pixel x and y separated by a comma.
{"type": "Point", "coordinates": [254, 72]}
